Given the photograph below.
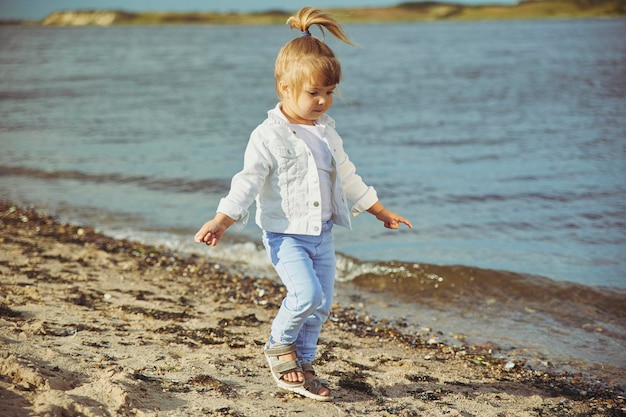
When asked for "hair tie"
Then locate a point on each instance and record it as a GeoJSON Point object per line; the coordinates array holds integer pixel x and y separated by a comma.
{"type": "Point", "coordinates": [305, 34]}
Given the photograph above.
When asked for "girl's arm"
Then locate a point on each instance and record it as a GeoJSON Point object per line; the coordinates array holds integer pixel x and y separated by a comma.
{"type": "Point", "coordinates": [388, 217]}
{"type": "Point", "coordinates": [233, 209]}
{"type": "Point", "coordinates": [212, 231]}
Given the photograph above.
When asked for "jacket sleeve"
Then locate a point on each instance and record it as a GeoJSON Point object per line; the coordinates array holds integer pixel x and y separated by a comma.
{"type": "Point", "coordinates": [358, 193]}
{"type": "Point", "coordinates": [245, 185]}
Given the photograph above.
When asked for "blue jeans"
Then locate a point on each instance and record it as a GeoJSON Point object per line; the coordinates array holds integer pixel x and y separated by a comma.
{"type": "Point", "coordinates": [306, 265]}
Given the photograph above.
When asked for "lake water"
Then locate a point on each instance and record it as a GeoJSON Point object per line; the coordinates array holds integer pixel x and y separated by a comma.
{"type": "Point", "coordinates": [503, 142]}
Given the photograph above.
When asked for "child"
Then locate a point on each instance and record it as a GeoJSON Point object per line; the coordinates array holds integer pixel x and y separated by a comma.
{"type": "Point", "coordinates": [301, 178]}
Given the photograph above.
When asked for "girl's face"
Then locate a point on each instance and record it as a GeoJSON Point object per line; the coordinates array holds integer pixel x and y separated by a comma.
{"type": "Point", "coordinates": [309, 105]}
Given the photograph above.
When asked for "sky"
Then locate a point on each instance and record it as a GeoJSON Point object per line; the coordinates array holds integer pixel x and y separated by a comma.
{"type": "Point", "coordinates": [38, 9]}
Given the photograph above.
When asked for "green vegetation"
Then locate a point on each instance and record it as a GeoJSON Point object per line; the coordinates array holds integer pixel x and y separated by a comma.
{"type": "Point", "coordinates": [403, 12]}
{"type": "Point", "coordinates": [530, 9]}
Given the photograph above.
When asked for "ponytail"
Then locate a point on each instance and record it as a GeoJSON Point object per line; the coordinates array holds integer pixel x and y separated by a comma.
{"type": "Point", "coordinates": [308, 16]}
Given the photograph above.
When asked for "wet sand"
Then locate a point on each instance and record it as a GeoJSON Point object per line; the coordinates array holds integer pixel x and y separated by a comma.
{"type": "Point", "coordinates": [94, 326]}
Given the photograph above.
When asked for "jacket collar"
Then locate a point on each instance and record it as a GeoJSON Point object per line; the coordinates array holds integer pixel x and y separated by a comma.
{"type": "Point", "coordinates": [276, 116]}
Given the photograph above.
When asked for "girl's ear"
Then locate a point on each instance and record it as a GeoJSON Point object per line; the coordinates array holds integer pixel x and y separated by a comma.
{"type": "Point", "coordinates": [285, 90]}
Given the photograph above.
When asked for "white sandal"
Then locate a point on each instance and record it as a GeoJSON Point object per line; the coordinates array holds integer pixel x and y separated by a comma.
{"type": "Point", "coordinates": [279, 367]}
{"type": "Point", "coordinates": [313, 385]}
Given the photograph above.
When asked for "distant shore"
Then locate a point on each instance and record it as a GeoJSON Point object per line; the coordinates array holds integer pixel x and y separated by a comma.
{"type": "Point", "coordinates": [426, 11]}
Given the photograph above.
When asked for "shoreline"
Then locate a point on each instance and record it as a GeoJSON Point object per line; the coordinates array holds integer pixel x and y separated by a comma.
{"type": "Point", "coordinates": [93, 325]}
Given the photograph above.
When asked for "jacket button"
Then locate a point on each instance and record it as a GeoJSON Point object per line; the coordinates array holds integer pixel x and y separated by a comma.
{"type": "Point", "coordinates": [316, 204]}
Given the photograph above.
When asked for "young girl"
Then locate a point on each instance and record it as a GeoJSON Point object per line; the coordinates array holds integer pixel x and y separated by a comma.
{"type": "Point", "coordinates": [296, 169]}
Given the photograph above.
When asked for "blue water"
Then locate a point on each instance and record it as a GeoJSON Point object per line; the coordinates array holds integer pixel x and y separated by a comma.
{"type": "Point", "coordinates": [503, 142]}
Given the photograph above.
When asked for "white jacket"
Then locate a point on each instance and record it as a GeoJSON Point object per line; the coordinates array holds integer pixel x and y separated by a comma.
{"type": "Point", "coordinates": [279, 171]}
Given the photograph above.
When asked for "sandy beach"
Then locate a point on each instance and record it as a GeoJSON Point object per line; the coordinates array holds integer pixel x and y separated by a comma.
{"type": "Point", "coordinates": [93, 326]}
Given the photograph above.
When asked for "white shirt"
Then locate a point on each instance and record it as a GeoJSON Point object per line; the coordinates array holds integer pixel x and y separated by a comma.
{"type": "Point", "coordinates": [314, 138]}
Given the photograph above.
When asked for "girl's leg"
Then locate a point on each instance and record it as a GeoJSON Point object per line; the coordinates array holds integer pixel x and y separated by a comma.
{"type": "Point", "coordinates": [324, 265]}
{"type": "Point", "coordinates": [306, 265]}
{"type": "Point", "coordinates": [291, 257]}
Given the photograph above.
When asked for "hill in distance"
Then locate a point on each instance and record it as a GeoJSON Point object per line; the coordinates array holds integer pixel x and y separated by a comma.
{"type": "Point", "coordinates": [422, 11]}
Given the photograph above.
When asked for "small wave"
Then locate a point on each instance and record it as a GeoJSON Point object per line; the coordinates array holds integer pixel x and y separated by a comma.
{"type": "Point", "coordinates": [39, 93]}
{"type": "Point", "coordinates": [559, 197]}
{"type": "Point", "coordinates": [468, 288]}
{"type": "Point", "coordinates": [445, 143]}
{"type": "Point", "coordinates": [478, 158]}
{"type": "Point", "coordinates": [176, 185]}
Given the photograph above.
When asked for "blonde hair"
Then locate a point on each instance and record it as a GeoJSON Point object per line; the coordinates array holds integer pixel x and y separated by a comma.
{"type": "Point", "coordinates": [306, 58]}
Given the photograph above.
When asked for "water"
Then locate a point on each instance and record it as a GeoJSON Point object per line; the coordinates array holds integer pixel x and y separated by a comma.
{"type": "Point", "coordinates": [503, 142]}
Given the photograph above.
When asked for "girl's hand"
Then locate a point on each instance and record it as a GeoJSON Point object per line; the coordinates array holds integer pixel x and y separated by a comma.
{"type": "Point", "coordinates": [392, 220]}
{"type": "Point", "coordinates": [388, 217]}
{"type": "Point", "coordinates": [212, 231]}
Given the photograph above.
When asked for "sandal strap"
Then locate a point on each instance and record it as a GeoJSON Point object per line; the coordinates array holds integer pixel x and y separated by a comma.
{"type": "Point", "coordinates": [313, 385]}
{"type": "Point", "coordinates": [283, 367]}
{"type": "Point", "coordinates": [279, 350]}
{"type": "Point", "coordinates": [307, 367]}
